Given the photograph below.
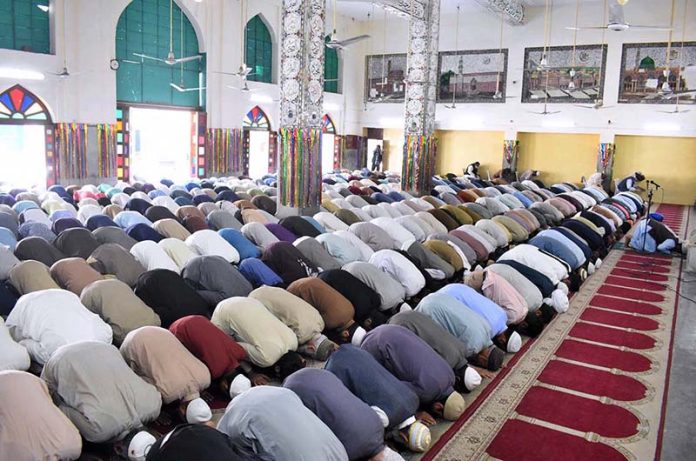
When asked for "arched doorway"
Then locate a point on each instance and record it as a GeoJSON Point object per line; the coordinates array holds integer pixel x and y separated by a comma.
{"type": "Point", "coordinates": [161, 103]}
{"type": "Point", "coordinates": [257, 131]}
{"type": "Point", "coordinates": [328, 144]}
{"type": "Point", "coordinates": [26, 137]}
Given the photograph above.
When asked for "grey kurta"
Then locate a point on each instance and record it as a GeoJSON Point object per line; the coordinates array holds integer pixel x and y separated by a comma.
{"type": "Point", "coordinates": [390, 291]}
{"type": "Point", "coordinates": [98, 392]}
{"type": "Point", "coordinates": [115, 260]}
{"type": "Point", "coordinates": [271, 424]}
{"type": "Point", "coordinates": [316, 253]}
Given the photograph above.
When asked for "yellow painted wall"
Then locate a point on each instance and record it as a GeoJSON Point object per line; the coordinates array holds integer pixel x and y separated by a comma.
{"type": "Point", "coordinates": [561, 157]}
{"type": "Point", "coordinates": [457, 149]}
{"type": "Point", "coordinates": [670, 162]}
{"type": "Point", "coordinates": [393, 149]}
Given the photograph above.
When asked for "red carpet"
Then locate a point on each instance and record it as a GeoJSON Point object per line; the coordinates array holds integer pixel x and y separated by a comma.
{"type": "Point", "coordinates": [602, 356]}
{"type": "Point", "coordinates": [616, 319]}
{"type": "Point", "coordinates": [522, 441]}
{"type": "Point", "coordinates": [593, 385]}
{"type": "Point", "coordinates": [625, 305]}
{"type": "Point", "coordinates": [578, 413]}
{"type": "Point", "coordinates": [612, 336]}
{"type": "Point", "coordinates": [592, 381]}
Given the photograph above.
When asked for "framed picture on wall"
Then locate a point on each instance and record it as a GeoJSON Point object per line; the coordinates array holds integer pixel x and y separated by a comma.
{"type": "Point", "coordinates": [472, 76]}
{"type": "Point", "coordinates": [566, 74]}
{"type": "Point", "coordinates": [384, 78]}
{"type": "Point", "coordinates": [648, 76]}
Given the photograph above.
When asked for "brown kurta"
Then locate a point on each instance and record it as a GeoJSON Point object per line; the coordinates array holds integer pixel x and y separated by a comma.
{"type": "Point", "coordinates": [334, 308]}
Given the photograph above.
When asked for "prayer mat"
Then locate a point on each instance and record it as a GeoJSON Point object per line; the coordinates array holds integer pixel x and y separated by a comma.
{"type": "Point", "coordinates": [593, 384]}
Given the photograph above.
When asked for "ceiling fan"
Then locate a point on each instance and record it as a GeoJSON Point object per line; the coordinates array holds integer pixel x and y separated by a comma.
{"type": "Point", "coordinates": [337, 44]}
{"type": "Point", "coordinates": [171, 59]}
{"type": "Point", "coordinates": [617, 22]}
{"type": "Point", "coordinates": [545, 111]}
{"type": "Point", "coordinates": [456, 83]}
{"type": "Point", "coordinates": [597, 105]}
{"type": "Point", "coordinates": [243, 72]}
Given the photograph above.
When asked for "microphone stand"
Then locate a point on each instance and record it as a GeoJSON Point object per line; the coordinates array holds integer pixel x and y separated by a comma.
{"type": "Point", "coordinates": [647, 214]}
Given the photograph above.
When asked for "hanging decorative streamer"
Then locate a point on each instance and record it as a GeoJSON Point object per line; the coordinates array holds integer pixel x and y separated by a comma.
{"type": "Point", "coordinates": [511, 152]}
{"type": "Point", "coordinates": [224, 151]}
{"type": "Point", "coordinates": [106, 150]}
{"type": "Point", "coordinates": [299, 178]}
{"type": "Point", "coordinates": [272, 152]}
{"type": "Point", "coordinates": [339, 147]}
{"type": "Point", "coordinates": [71, 151]}
{"type": "Point", "coordinates": [419, 163]}
{"type": "Point", "coordinates": [605, 161]}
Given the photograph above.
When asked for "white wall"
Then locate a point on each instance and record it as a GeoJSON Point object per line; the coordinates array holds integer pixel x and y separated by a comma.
{"type": "Point", "coordinates": [89, 96]}
{"type": "Point", "coordinates": [480, 30]}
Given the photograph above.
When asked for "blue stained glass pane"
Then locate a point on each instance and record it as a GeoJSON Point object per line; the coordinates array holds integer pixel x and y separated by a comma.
{"type": "Point", "coordinates": [5, 99]}
{"type": "Point", "coordinates": [26, 103]}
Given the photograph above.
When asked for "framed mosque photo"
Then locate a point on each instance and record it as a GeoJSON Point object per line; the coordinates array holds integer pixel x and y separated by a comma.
{"type": "Point", "coordinates": [564, 74]}
{"type": "Point", "coordinates": [472, 76]}
{"type": "Point", "coordinates": [384, 78]}
{"type": "Point", "coordinates": [648, 76]}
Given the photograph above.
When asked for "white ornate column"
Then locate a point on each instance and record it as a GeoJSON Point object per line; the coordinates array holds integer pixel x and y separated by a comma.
{"type": "Point", "coordinates": [301, 101]}
{"type": "Point", "coordinates": [420, 146]}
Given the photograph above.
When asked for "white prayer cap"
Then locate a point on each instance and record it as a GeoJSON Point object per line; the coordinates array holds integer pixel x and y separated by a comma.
{"type": "Point", "coordinates": [563, 287]}
{"type": "Point", "coordinates": [239, 385]}
{"type": "Point", "coordinates": [405, 307]}
{"type": "Point", "coordinates": [472, 378]}
{"type": "Point", "coordinates": [198, 411]}
{"type": "Point", "coordinates": [514, 342]}
{"type": "Point", "coordinates": [591, 269]}
{"type": "Point", "coordinates": [140, 445]}
{"type": "Point", "coordinates": [598, 263]}
{"type": "Point", "coordinates": [558, 300]}
{"type": "Point", "coordinates": [358, 336]}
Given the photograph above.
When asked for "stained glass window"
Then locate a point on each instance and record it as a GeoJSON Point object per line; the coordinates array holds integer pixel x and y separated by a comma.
{"type": "Point", "coordinates": [259, 50]}
{"type": "Point", "coordinates": [330, 69]}
{"type": "Point", "coordinates": [24, 26]}
{"type": "Point", "coordinates": [327, 125]}
{"type": "Point", "coordinates": [256, 119]}
{"type": "Point", "coordinates": [17, 103]}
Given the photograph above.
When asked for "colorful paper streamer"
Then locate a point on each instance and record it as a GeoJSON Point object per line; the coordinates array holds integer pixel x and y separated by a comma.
{"type": "Point", "coordinates": [419, 163]}
{"type": "Point", "coordinates": [106, 150]}
{"type": "Point", "coordinates": [299, 176]}
{"type": "Point", "coordinates": [511, 153]}
{"type": "Point", "coordinates": [71, 151]}
{"type": "Point", "coordinates": [224, 154]}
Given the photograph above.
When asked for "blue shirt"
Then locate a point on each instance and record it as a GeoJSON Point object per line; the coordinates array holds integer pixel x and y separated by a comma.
{"type": "Point", "coordinates": [576, 239]}
{"type": "Point", "coordinates": [559, 246]}
{"type": "Point", "coordinates": [465, 324]}
{"type": "Point", "coordinates": [523, 198]}
{"type": "Point", "coordinates": [493, 313]}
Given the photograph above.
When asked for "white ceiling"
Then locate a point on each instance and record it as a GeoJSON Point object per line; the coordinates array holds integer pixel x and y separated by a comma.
{"type": "Point", "coordinates": [360, 9]}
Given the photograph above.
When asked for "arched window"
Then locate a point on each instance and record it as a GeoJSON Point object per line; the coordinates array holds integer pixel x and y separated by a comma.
{"type": "Point", "coordinates": [256, 119]}
{"type": "Point", "coordinates": [143, 28]}
{"type": "Point", "coordinates": [24, 26]}
{"type": "Point", "coordinates": [330, 69]}
{"type": "Point", "coordinates": [18, 104]}
{"type": "Point", "coordinates": [327, 125]}
{"type": "Point", "coordinates": [259, 50]}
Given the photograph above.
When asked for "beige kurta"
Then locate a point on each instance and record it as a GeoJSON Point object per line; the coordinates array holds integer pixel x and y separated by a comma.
{"type": "Point", "coordinates": [159, 358]}
{"type": "Point", "coordinates": [300, 316]}
{"type": "Point", "coordinates": [265, 338]}
{"type": "Point", "coordinates": [30, 276]}
{"type": "Point", "coordinates": [31, 426]}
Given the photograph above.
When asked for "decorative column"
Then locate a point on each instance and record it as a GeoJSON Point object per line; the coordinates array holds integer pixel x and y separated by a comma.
{"type": "Point", "coordinates": [420, 145]}
{"type": "Point", "coordinates": [301, 101]}
{"type": "Point", "coordinates": [605, 162]}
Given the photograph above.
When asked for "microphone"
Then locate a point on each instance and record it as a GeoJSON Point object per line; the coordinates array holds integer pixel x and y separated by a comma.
{"type": "Point", "coordinates": [655, 184]}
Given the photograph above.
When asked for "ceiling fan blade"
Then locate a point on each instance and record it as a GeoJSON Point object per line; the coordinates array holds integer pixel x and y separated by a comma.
{"type": "Point", "coordinates": [350, 41]}
{"type": "Point", "coordinates": [233, 74]}
{"type": "Point", "coordinates": [587, 28]}
{"type": "Point", "coordinates": [187, 59]}
{"type": "Point", "coordinates": [152, 58]}
{"type": "Point", "coordinates": [658, 28]}
{"type": "Point", "coordinates": [129, 61]}
{"type": "Point", "coordinates": [585, 107]}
